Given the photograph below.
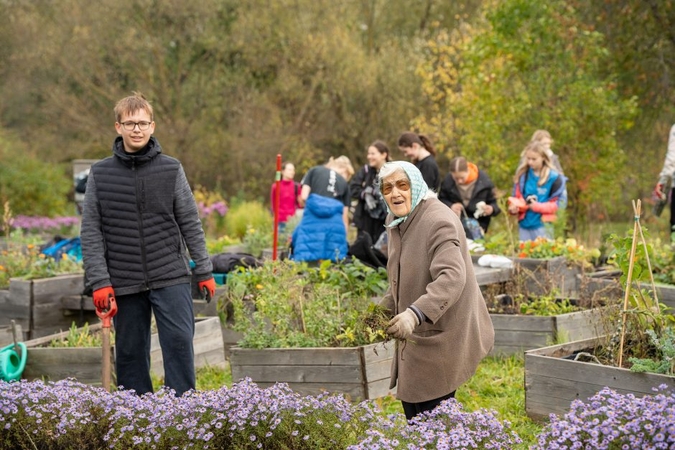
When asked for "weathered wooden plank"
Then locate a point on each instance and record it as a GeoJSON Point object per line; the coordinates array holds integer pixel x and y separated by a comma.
{"type": "Point", "coordinates": [77, 302]}
{"type": "Point", "coordinates": [7, 336]}
{"type": "Point", "coordinates": [230, 338]}
{"type": "Point", "coordinates": [506, 350]}
{"type": "Point", "coordinates": [49, 319]}
{"type": "Point", "coordinates": [523, 322]}
{"type": "Point", "coordinates": [380, 388]}
{"type": "Point", "coordinates": [384, 351]}
{"type": "Point", "coordinates": [50, 290]}
{"type": "Point", "coordinates": [294, 374]}
{"type": "Point", "coordinates": [523, 339]}
{"type": "Point", "coordinates": [596, 374]}
{"type": "Point", "coordinates": [83, 364]}
{"type": "Point", "coordinates": [542, 275]}
{"type": "Point", "coordinates": [20, 291]}
{"type": "Point", "coordinates": [522, 332]}
{"type": "Point", "coordinates": [552, 382]}
{"type": "Point", "coordinates": [491, 275]}
{"type": "Point", "coordinates": [378, 370]}
{"type": "Point", "coordinates": [297, 356]}
{"type": "Point", "coordinates": [582, 324]}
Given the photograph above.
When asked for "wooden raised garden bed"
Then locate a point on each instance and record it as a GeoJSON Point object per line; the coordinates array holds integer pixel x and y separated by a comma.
{"type": "Point", "coordinates": [515, 333]}
{"type": "Point", "coordinates": [36, 305]}
{"type": "Point", "coordinates": [610, 281]}
{"type": "Point", "coordinates": [84, 364]}
{"type": "Point", "coordinates": [50, 363]}
{"type": "Point", "coordinates": [553, 379]}
{"type": "Point", "coordinates": [541, 276]}
{"type": "Point", "coordinates": [357, 372]}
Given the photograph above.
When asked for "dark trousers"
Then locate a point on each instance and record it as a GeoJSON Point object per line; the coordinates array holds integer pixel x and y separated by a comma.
{"type": "Point", "coordinates": [672, 211]}
{"type": "Point", "coordinates": [413, 409]}
{"type": "Point", "coordinates": [172, 307]}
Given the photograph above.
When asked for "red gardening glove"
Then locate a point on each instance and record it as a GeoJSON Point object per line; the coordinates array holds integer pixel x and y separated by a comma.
{"type": "Point", "coordinates": [208, 288]}
{"type": "Point", "coordinates": [658, 193]}
{"type": "Point", "coordinates": [102, 298]}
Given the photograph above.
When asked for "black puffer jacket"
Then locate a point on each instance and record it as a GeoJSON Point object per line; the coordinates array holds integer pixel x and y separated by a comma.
{"type": "Point", "coordinates": [139, 215]}
{"type": "Point", "coordinates": [484, 191]}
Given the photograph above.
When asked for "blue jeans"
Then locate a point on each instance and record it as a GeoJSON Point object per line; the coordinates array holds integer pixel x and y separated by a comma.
{"type": "Point", "coordinates": [531, 235]}
{"type": "Point", "coordinates": [172, 307]}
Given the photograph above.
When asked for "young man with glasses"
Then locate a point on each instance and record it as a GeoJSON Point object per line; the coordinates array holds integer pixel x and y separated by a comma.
{"type": "Point", "coordinates": [139, 216]}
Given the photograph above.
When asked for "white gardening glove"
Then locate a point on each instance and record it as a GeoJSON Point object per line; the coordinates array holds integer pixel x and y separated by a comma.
{"type": "Point", "coordinates": [403, 324]}
{"type": "Point", "coordinates": [480, 210]}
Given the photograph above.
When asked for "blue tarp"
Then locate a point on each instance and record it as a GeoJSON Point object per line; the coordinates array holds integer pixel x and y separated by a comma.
{"type": "Point", "coordinates": [72, 247]}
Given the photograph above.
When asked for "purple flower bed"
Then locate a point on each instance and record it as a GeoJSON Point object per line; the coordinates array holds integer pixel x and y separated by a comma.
{"type": "Point", "coordinates": [44, 224]}
{"type": "Point", "coordinates": [610, 420]}
{"type": "Point", "coordinates": [67, 414]}
{"type": "Point", "coordinates": [219, 208]}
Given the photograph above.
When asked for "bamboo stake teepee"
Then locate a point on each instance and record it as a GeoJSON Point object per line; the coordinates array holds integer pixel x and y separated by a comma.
{"type": "Point", "coordinates": [637, 229]}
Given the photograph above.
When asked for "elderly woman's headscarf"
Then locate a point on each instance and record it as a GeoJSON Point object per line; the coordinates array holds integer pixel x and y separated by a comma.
{"type": "Point", "coordinates": [418, 187]}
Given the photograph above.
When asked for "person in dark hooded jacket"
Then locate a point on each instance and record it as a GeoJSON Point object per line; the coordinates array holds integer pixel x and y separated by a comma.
{"type": "Point", "coordinates": [139, 222]}
{"type": "Point", "coordinates": [469, 189]}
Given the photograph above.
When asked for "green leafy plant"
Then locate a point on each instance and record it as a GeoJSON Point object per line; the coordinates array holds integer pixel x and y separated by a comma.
{"type": "Point", "coordinates": [547, 305]}
{"type": "Point", "coordinates": [257, 239]}
{"type": "Point", "coordinates": [643, 319]}
{"type": "Point", "coordinates": [80, 338]}
{"type": "Point", "coordinates": [665, 354]}
{"type": "Point", "coordinates": [289, 304]}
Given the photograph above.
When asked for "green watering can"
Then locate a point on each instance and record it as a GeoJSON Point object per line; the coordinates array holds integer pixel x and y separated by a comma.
{"type": "Point", "coordinates": [11, 364]}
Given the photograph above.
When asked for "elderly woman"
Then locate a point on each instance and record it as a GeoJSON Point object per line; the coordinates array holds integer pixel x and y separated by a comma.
{"type": "Point", "coordinates": [433, 294]}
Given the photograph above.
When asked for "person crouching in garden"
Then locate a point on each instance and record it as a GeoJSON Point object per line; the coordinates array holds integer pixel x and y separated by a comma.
{"type": "Point", "coordinates": [440, 320]}
{"type": "Point", "coordinates": [467, 189]}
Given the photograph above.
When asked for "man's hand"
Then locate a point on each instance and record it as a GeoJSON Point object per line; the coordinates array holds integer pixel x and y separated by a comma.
{"type": "Point", "coordinates": [658, 192]}
{"type": "Point", "coordinates": [208, 288]}
{"type": "Point", "coordinates": [402, 325]}
{"type": "Point", "coordinates": [102, 297]}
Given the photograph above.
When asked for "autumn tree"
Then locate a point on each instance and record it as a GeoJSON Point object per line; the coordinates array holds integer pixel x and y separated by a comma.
{"type": "Point", "coordinates": [529, 65]}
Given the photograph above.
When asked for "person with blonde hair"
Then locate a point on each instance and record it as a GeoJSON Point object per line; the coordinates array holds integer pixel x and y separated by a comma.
{"type": "Point", "coordinates": [544, 137]}
{"type": "Point", "coordinates": [536, 193]}
{"type": "Point", "coordinates": [322, 231]}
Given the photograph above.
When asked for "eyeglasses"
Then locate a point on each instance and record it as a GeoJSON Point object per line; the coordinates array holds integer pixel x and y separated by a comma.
{"type": "Point", "coordinates": [129, 126]}
{"type": "Point", "coordinates": [401, 185]}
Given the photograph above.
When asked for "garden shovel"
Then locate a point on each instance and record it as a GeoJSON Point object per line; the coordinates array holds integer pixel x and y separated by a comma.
{"type": "Point", "coordinates": [106, 316]}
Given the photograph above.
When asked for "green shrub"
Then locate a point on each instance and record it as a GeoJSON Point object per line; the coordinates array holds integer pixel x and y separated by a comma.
{"type": "Point", "coordinates": [33, 186]}
{"type": "Point", "coordinates": [246, 215]}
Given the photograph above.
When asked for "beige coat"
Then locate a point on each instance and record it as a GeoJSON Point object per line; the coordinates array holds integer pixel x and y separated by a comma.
{"type": "Point", "coordinates": [430, 266]}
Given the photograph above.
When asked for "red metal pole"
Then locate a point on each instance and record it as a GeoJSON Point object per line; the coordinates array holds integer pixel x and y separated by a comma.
{"type": "Point", "coordinates": [275, 241]}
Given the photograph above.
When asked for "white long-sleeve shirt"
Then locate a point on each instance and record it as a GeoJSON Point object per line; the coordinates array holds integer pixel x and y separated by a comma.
{"type": "Point", "coordinates": [669, 164]}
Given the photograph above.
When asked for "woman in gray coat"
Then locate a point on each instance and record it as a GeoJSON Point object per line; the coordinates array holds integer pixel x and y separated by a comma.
{"type": "Point", "coordinates": [440, 319]}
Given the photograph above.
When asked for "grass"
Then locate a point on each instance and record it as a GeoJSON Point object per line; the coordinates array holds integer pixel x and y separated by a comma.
{"type": "Point", "coordinates": [498, 385]}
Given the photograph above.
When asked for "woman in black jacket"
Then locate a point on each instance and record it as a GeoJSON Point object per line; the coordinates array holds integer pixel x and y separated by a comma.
{"type": "Point", "coordinates": [370, 210]}
{"type": "Point", "coordinates": [466, 187]}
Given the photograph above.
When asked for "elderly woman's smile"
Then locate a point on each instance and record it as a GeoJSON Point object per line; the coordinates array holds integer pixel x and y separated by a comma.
{"type": "Point", "coordinates": [397, 193]}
